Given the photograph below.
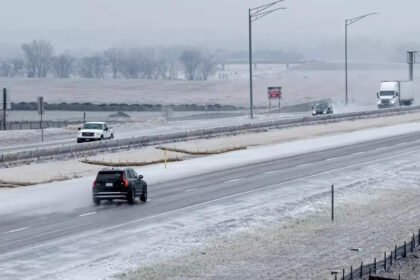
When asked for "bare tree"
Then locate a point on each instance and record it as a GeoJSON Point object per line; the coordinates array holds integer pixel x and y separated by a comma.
{"type": "Point", "coordinates": [208, 63]}
{"type": "Point", "coordinates": [191, 61]}
{"type": "Point", "coordinates": [18, 66]}
{"type": "Point", "coordinates": [38, 56]}
{"type": "Point", "coordinates": [148, 69]}
{"type": "Point", "coordinates": [63, 65]}
{"type": "Point", "coordinates": [164, 69]}
{"type": "Point", "coordinates": [93, 67]}
{"type": "Point", "coordinates": [131, 63]}
{"type": "Point", "coordinates": [113, 56]}
{"type": "Point", "coordinates": [5, 69]}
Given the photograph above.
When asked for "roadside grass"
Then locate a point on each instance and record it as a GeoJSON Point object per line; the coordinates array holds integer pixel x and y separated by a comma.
{"type": "Point", "coordinates": [17, 184]}
{"type": "Point", "coordinates": [128, 163]}
{"type": "Point", "coordinates": [202, 153]}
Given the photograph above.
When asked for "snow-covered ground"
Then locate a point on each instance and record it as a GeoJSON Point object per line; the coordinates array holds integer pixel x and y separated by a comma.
{"type": "Point", "coordinates": [276, 234]}
{"type": "Point", "coordinates": [56, 170]}
{"type": "Point", "coordinates": [298, 86]}
{"type": "Point", "coordinates": [131, 128]}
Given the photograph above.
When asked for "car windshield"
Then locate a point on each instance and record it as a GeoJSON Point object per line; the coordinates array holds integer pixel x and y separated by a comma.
{"type": "Point", "coordinates": [321, 106]}
{"type": "Point", "coordinates": [387, 93]}
{"type": "Point", "coordinates": [92, 126]}
{"type": "Point", "coordinates": [109, 176]}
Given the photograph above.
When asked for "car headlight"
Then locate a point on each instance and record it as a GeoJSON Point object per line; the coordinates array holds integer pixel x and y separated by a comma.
{"type": "Point", "coordinates": [325, 111]}
{"type": "Point", "coordinates": [393, 101]}
{"type": "Point", "coordinates": [379, 102]}
{"type": "Point", "coordinates": [313, 112]}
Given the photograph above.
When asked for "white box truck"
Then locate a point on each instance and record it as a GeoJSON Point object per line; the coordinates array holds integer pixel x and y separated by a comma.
{"type": "Point", "coordinates": [395, 93]}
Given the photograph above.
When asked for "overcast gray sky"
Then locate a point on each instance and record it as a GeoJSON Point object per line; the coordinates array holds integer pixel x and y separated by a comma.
{"type": "Point", "coordinates": [315, 27]}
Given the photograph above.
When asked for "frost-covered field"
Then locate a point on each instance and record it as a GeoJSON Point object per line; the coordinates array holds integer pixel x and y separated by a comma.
{"type": "Point", "coordinates": [299, 86]}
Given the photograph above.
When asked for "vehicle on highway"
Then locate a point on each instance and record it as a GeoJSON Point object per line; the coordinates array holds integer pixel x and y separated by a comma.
{"type": "Point", "coordinates": [395, 94]}
{"type": "Point", "coordinates": [94, 131]}
{"type": "Point", "coordinates": [119, 184]}
{"type": "Point", "coordinates": [322, 108]}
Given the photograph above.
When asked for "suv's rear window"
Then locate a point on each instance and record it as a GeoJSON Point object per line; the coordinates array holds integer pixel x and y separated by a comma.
{"type": "Point", "coordinates": [110, 176]}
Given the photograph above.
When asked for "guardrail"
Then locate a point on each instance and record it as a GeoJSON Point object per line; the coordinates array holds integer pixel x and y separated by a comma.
{"type": "Point", "coordinates": [85, 148]}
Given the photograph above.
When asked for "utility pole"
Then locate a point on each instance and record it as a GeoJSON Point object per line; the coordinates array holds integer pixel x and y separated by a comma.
{"type": "Point", "coordinates": [254, 15]}
{"type": "Point", "coordinates": [4, 107]}
{"type": "Point", "coordinates": [347, 23]}
{"type": "Point", "coordinates": [251, 85]}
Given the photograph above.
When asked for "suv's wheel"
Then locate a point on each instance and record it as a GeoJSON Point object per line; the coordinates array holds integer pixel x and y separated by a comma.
{"type": "Point", "coordinates": [143, 196]}
{"type": "Point", "coordinates": [112, 136]}
{"type": "Point", "coordinates": [97, 201]}
{"type": "Point", "coordinates": [131, 197]}
{"type": "Point", "coordinates": [102, 137]}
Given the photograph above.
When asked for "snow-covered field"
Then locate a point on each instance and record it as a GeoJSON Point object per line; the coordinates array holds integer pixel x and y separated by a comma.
{"type": "Point", "coordinates": [298, 86]}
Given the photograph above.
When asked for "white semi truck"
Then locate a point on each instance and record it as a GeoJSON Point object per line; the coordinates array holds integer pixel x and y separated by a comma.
{"type": "Point", "coordinates": [395, 93]}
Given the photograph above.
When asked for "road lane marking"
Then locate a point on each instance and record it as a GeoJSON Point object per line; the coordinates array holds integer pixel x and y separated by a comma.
{"type": "Point", "coordinates": [232, 181]}
{"type": "Point", "coordinates": [252, 191]}
{"type": "Point", "coordinates": [333, 158]}
{"type": "Point", "coordinates": [16, 230]}
{"type": "Point", "coordinates": [305, 164]}
{"type": "Point", "coordinates": [270, 172]}
{"type": "Point", "coordinates": [87, 214]}
{"type": "Point", "coordinates": [358, 153]}
{"type": "Point", "coordinates": [190, 190]}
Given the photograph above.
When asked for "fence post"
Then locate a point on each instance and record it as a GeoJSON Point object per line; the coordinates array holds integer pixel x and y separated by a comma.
{"type": "Point", "coordinates": [385, 261]}
{"type": "Point", "coordinates": [390, 263]}
{"type": "Point", "coordinates": [370, 271]}
{"type": "Point", "coordinates": [405, 249]}
{"type": "Point", "coordinates": [351, 272]}
{"type": "Point", "coordinates": [413, 243]}
{"type": "Point", "coordinates": [361, 270]}
{"type": "Point", "coordinates": [374, 265]}
{"type": "Point", "coordinates": [395, 257]}
{"type": "Point", "coordinates": [332, 202]}
{"type": "Point", "coordinates": [344, 271]}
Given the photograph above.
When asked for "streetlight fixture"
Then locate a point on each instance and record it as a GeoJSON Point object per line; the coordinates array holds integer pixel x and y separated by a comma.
{"type": "Point", "coordinates": [347, 23]}
{"type": "Point", "coordinates": [254, 15]}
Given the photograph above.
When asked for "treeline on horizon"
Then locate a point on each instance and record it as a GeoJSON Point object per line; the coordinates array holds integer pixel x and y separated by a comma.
{"type": "Point", "coordinates": [39, 60]}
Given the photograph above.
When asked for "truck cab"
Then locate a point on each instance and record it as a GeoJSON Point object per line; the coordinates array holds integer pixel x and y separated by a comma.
{"type": "Point", "coordinates": [395, 93]}
{"type": "Point", "coordinates": [388, 96]}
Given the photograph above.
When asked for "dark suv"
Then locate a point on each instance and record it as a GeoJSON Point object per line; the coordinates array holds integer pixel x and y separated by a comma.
{"type": "Point", "coordinates": [119, 184]}
{"type": "Point", "coordinates": [322, 109]}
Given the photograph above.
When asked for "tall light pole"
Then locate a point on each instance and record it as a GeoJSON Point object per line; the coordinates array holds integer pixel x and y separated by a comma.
{"type": "Point", "coordinates": [254, 15]}
{"type": "Point", "coordinates": [347, 23]}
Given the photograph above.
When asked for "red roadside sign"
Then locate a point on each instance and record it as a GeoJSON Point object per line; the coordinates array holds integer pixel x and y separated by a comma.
{"type": "Point", "coordinates": [274, 93]}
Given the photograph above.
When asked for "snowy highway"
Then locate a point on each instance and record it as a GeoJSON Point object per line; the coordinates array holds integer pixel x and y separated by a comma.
{"type": "Point", "coordinates": [55, 241]}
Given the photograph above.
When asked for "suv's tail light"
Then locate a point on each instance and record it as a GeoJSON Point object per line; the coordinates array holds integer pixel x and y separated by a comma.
{"type": "Point", "coordinates": [125, 183]}
{"type": "Point", "coordinates": [94, 184]}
